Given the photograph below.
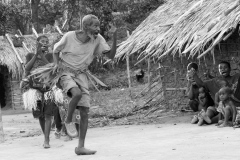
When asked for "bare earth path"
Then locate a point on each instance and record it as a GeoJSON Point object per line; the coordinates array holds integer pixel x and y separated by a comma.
{"type": "Point", "coordinates": [169, 141]}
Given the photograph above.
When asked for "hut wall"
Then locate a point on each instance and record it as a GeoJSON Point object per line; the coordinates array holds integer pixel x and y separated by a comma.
{"type": "Point", "coordinates": [15, 95]}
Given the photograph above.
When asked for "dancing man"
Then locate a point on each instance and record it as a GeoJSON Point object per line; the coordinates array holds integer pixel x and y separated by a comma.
{"type": "Point", "coordinates": [72, 56]}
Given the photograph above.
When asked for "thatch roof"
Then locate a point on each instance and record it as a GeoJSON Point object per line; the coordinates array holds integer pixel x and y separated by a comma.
{"type": "Point", "coordinates": [192, 27]}
{"type": "Point", "coordinates": [8, 57]}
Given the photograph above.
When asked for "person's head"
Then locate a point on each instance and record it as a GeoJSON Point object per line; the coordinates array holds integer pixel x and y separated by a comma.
{"type": "Point", "coordinates": [48, 26]}
{"type": "Point", "coordinates": [43, 43]}
{"type": "Point", "coordinates": [224, 68]}
{"type": "Point", "coordinates": [225, 93]}
{"type": "Point", "coordinates": [192, 66]}
{"type": "Point", "coordinates": [223, 83]}
{"type": "Point", "coordinates": [202, 92]}
{"type": "Point", "coordinates": [91, 25]}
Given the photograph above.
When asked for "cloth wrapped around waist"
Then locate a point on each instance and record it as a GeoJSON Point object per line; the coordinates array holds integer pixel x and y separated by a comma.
{"type": "Point", "coordinates": [50, 75]}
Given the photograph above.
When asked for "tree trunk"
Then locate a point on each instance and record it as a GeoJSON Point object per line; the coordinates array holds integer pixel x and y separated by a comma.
{"type": "Point", "coordinates": [1, 127]}
{"type": "Point", "coordinates": [34, 10]}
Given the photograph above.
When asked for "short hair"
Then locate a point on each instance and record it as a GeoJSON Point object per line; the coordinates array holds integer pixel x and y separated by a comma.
{"type": "Point", "coordinates": [227, 90]}
{"type": "Point", "coordinates": [225, 62]}
{"type": "Point", "coordinates": [192, 65]}
{"type": "Point", "coordinates": [204, 89]}
{"type": "Point", "coordinates": [87, 20]}
{"type": "Point", "coordinates": [40, 37]}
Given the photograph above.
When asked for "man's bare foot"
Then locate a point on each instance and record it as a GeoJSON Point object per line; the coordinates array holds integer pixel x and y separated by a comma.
{"type": "Point", "coordinates": [46, 145]}
{"type": "Point", "coordinates": [84, 151]}
{"type": "Point", "coordinates": [205, 117]}
{"type": "Point", "coordinates": [71, 129]}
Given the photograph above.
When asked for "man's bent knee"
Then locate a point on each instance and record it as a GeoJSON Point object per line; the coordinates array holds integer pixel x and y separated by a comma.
{"type": "Point", "coordinates": [76, 93]}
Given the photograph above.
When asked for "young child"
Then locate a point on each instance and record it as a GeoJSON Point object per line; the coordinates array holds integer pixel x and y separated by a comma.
{"type": "Point", "coordinates": [227, 110]}
{"type": "Point", "coordinates": [205, 100]}
{"type": "Point", "coordinates": [222, 83]}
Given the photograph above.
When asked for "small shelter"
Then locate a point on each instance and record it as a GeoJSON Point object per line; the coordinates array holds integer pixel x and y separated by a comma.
{"type": "Point", "coordinates": [180, 31]}
{"type": "Point", "coordinates": [11, 69]}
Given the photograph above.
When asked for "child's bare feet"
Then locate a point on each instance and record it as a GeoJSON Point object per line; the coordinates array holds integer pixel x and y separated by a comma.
{"type": "Point", "coordinates": [46, 144]}
{"type": "Point", "coordinates": [205, 117]}
{"type": "Point", "coordinates": [194, 120]}
{"type": "Point", "coordinates": [200, 121]}
{"type": "Point", "coordinates": [84, 151]}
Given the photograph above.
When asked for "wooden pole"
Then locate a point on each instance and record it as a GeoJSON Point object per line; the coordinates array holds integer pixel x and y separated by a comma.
{"type": "Point", "coordinates": [1, 127]}
{"type": "Point", "coordinates": [81, 25]}
{"type": "Point", "coordinates": [149, 76]}
{"type": "Point", "coordinates": [14, 49]}
{"type": "Point", "coordinates": [128, 69]}
{"type": "Point", "coordinates": [34, 31]}
{"type": "Point", "coordinates": [64, 23]}
{"type": "Point", "coordinates": [58, 29]}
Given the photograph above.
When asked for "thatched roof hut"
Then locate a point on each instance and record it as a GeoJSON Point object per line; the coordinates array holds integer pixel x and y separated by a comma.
{"type": "Point", "coordinates": [184, 27]}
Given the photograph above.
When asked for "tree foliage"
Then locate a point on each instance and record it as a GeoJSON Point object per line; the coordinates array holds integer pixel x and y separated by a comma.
{"type": "Point", "coordinates": [20, 14]}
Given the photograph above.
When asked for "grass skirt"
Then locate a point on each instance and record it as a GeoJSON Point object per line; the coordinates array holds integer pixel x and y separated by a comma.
{"type": "Point", "coordinates": [31, 97]}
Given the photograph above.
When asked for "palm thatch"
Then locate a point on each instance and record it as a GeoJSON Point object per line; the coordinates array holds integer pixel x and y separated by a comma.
{"type": "Point", "coordinates": [186, 27]}
{"type": "Point", "coordinates": [8, 57]}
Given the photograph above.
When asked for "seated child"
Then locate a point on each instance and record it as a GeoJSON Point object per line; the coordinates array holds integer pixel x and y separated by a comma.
{"type": "Point", "coordinates": [205, 101]}
{"type": "Point", "coordinates": [222, 83]}
{"type": "Point", "coordinates": [227, 110]}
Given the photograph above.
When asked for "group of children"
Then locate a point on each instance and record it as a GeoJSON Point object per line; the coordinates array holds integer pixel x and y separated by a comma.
{"type": "Point", "coordinates": [227, 111]}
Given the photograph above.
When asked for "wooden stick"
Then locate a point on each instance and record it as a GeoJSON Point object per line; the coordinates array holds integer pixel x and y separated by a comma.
{"type": "Point", "coordinates": [20, 33]}
{"type": "Point", "coordinates": [58, 29]}
{"type": "Point", "coordinates": [14, 49]}
{"type": "Point", "coordinates": [1, 127]}
{"type": "Point", "coordinates": [81, 25]}
{"type": "Point", "coordinates": [34, 31]}
{"type": "Point", "coordinates": [149, 77]}
{"type": "Point", "coordinates": [64, 23]}
{"type": "Point", "coordinates": [175, 89]}
{"type": "Point", "coordinates": [128, 69]}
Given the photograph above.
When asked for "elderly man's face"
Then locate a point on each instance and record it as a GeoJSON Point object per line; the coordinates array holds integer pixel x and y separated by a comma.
{"type": "Point", "coordinates": [94, 29]}
{"type": "Point", "coordinates": [224, 69]}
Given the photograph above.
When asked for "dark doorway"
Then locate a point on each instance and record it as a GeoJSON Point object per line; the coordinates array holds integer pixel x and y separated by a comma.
{"type": "Point", "coordinates": [2, 91]}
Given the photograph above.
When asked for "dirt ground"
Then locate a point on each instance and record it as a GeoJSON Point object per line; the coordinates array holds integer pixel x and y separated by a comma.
{"type": "Point", "coordinates": [170, 138]}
